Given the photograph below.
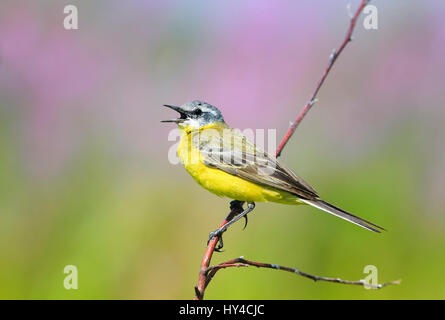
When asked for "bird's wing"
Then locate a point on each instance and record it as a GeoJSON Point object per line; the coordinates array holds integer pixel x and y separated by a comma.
{"type": "Point", "coordinates": [231, 152]}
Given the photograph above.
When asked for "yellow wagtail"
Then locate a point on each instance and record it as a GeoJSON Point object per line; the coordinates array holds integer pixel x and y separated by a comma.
{"type": "Point", "coordinates": [224, 162]}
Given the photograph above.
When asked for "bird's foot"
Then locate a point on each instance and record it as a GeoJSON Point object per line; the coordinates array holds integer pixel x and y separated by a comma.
{"type": "Point", "coordinates": [236, 206]}
{"type": "Point", "coordinates": [217, 234]}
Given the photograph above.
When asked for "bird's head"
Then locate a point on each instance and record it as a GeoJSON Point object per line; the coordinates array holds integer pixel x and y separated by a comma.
{"type": "Point", "coordinates": [195, 114]}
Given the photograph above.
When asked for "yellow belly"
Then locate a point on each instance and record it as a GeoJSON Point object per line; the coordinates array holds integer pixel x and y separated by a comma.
{"type": "Point", "coordinates": [225, 184]}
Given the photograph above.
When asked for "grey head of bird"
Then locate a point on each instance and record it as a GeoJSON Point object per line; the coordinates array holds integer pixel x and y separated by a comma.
{"type": "Point", "coordinates": [195, 114]}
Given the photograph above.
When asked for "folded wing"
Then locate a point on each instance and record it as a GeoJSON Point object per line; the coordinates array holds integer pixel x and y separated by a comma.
{"type": "Point", "coordinates": [231, 152]}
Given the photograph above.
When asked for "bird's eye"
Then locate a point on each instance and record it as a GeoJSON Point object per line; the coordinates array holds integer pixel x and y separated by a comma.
{"type": "Point", "coordinates": [197, 112]}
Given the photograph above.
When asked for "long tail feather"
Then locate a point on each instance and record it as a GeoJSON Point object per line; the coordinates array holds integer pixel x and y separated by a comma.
{"type": "Point", "coordinates": [323, 205]}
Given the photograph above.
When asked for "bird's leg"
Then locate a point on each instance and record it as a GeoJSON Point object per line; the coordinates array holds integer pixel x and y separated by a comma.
{"type": "Point", "coordinates": [236, 207]}
{"type": "Point", "coordinates": [250, 207]}
{"type": "Point", "coordinates": [234, 204]}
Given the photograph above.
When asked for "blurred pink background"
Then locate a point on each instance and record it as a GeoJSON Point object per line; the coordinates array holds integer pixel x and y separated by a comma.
{"type": "Point", "coordinates": [80, 109]}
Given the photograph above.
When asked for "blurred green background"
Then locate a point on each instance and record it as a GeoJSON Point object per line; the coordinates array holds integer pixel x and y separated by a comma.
{"type": "Point", "coordinates": [84, 173]}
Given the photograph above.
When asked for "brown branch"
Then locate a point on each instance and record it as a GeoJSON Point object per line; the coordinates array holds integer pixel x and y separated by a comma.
{"type": "Point", "coordinates": [333, 57]}
{"type": "Point", "coordinates": [241, 262]}
{"type": "Point", "coordinates": [202, 280]}
{"type": "Point", "coordinates": [206, 273]}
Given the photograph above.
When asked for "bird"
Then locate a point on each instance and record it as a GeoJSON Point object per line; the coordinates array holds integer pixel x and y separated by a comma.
{"type": "Point", "coordinates": [226, 163]}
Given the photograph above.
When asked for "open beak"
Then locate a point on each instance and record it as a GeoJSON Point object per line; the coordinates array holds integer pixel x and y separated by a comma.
{"type": "Point", "coordinates": [178, 109]}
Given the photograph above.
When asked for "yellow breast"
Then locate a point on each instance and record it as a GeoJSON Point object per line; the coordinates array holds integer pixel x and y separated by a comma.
{"type": "Point", "coordinates": [225, 184]}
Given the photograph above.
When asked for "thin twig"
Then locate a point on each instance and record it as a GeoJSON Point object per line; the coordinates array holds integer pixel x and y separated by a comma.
{"type": "Point", "coordinates": [202, 280]}
{"type": "Point", "coordinates": [206, 273]}
{"type": "Point", "coordinates": [241, 262]}
{"type": "Point", "coordinates": [332, 58]}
